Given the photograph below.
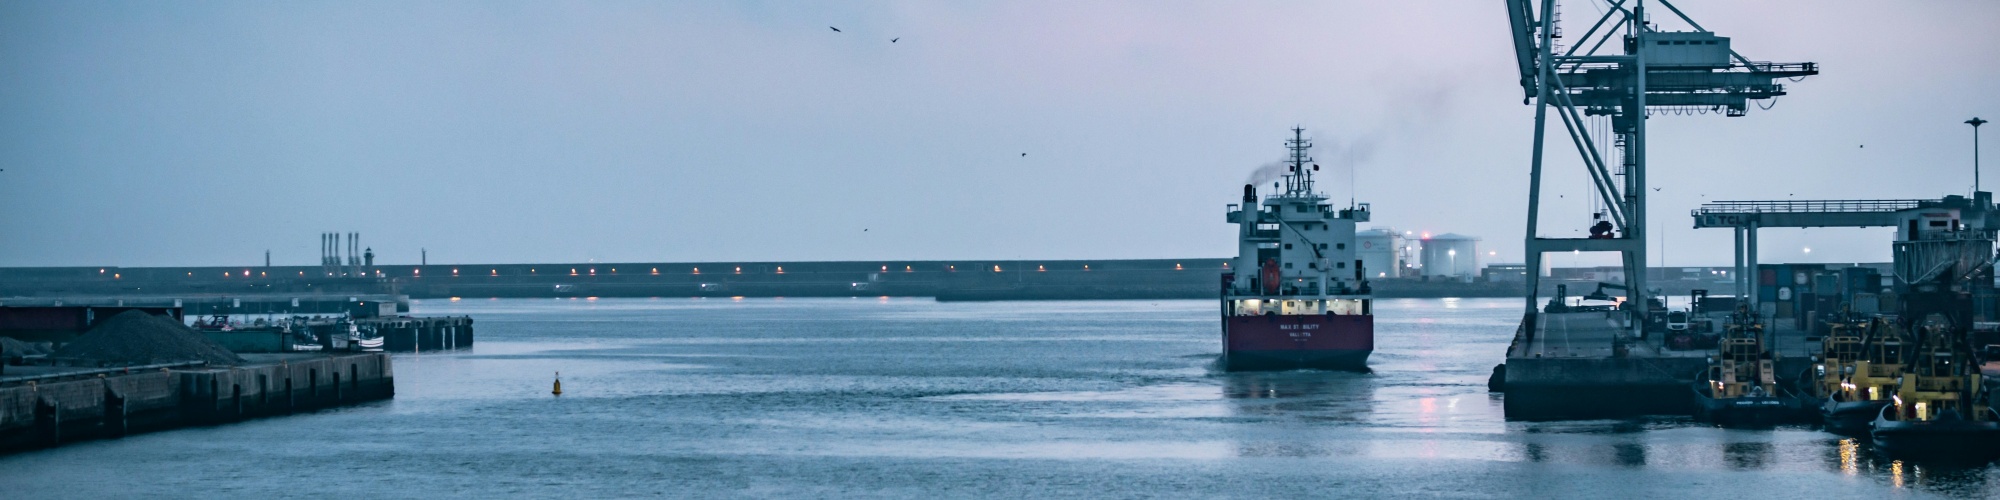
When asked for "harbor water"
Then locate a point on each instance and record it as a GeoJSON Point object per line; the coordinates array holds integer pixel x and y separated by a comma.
{"type": "Point", "coordinates": [882, 397]}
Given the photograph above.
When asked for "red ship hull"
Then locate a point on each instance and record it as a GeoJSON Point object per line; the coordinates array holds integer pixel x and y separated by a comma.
{"type": "Point", "coordinates": [1273, 342]}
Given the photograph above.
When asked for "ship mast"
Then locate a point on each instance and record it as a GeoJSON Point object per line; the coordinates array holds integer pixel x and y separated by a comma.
{"type": "Point", "coordinates": [1299, 182]}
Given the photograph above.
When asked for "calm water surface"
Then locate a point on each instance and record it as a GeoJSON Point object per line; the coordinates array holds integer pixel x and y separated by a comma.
{"type": "Point", "coordinates": [911, 397]}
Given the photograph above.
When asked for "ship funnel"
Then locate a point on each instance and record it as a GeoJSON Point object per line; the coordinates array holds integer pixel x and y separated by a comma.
{"type": "Point", "coordinates": [1249, 193]}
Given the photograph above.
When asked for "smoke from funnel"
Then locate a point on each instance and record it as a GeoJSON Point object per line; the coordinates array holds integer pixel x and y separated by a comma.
{"type": "Point", "coordinates": [1355, 152]}
{"type": "Point", "coordinates": [1267, 172]}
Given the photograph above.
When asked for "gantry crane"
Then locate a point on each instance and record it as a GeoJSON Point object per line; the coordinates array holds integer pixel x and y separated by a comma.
{"type": "Point", "coordinates": [1685, 72]}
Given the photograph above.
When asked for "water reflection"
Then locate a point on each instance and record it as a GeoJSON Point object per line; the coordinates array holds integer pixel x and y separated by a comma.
{"type": "Point", "coordinates": [1308, 413]}
{"type": "Point", "coordinates": [1748, 456]}
{"type": "Point", "coordinates": [1313, 395]}
{"type": "Point", "coordinates": [1848, 448]}
{"type": "Point", "coordinates": [1630, 454]}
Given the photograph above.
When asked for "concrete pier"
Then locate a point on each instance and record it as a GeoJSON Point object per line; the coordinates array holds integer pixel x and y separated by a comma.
{"type": "Point", "coordinates": [1570, 366]}
{"type": "Point", "coordinates": [410, 334]}
{"type": "Point", "coordinates": [48, 406]}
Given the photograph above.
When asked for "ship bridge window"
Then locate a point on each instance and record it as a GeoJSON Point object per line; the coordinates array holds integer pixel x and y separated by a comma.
{"type": "Point", "coordinates": [1342, 265]}
{"type": "Point", "coordinates": [1342, 246]}
{"type": "Point", "coordinates": [1288, 246]}
{"type": "Point", "coordinates": [1302, 208]}
{"type": "Point", "coordinates": [1346, 307]}
{"type": "Point", "coordinates": [1253, 307]}
{"type": "Point", "coordinates": [1312, 265]}
{"type": "Point", "coordinates": [1288, 265]}
{"type": "Point", "coordinates": [1322, 246]}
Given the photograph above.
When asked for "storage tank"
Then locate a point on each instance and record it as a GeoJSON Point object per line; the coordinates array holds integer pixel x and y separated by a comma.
{"type": "Point", "coordinates": [1380, 251]}
{"type": "Point", "coordinates": [1454, 256]}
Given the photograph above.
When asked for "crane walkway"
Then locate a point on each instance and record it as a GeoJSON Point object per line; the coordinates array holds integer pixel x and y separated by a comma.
{"type": "Point", "coordinates": [1803, 213]}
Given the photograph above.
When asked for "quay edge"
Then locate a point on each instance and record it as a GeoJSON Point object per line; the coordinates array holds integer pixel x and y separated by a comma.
{"type": "Point", "coordinates": [1564, 366]}
{"type": "Point", "coordinates": [56, 409]}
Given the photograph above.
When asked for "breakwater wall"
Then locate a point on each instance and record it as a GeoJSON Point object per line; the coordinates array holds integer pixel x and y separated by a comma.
{"type": "Point", "coordinates": [58, 406]}
{"type": "Point", "coordinates": [946, 279]}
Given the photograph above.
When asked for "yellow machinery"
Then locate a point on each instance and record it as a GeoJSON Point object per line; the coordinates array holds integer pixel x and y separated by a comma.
{"type": "Point", "coordinates": [1937, 409]}
{"type": "Point", "coordinates": [1942, 378]}
{"type": "Point", "coordinates": [1742, 383]}
{"type": "Point", "coordinates": [1740, 367]}
{"type": "Point", "coordinates": [1873, 377]}
{"type": "Point", "coordinates": [1839, 350]}
{"type": "Point", "coordinates": [1858, 375]}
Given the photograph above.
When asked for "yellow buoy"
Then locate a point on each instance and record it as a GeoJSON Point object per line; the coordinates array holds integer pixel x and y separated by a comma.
{"type": "Point", "coordinates": [558, 389]}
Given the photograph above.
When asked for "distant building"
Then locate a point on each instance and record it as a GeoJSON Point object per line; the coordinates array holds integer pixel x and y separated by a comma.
{"type": "Point", "coordinates": [1453, 256]}
{"type": "Point", "coordinates": [1505, 273]}
{"type": "Point", "coordinates": [1382, 251]}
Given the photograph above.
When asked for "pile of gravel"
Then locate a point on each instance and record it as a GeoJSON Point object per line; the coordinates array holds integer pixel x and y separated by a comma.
{"type": "Point", "coordinates": [136, 338]}
{"type": "Point", "coordinates": [14, 348]}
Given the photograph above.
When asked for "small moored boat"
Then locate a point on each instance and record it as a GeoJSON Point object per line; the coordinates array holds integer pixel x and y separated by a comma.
{"type": "Point", "coordinates": [1740, 386]}
{"type": "Point", "coordinates": [1855, 373]}
{"type": "Point", "coordinates": [1938, 410]}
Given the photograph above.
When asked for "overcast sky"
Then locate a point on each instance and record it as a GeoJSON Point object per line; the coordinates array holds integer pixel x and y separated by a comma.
{"type": "Point", "coordinates": [204, 133]}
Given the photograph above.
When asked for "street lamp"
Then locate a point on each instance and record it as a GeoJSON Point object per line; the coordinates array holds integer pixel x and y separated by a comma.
{"type": "Point", "coordinates": [1975, 122]}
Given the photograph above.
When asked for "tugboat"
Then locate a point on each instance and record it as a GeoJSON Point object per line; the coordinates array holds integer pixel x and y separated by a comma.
{"type": "Point", "coordinates": [1296, 297]}
{"type": "Point", "coordinates": [1859, 362]}
{"type": "Point", "coordinates": [1740, 385]}
{"type": "Point", "coordinates": [1939, 410]}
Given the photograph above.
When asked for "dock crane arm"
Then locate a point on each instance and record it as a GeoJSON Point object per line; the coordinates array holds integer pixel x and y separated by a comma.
{"type": "Point", "coordinates": [1521, 15]}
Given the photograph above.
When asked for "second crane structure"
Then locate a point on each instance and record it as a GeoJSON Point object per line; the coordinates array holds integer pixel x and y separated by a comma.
{"type": "Point", "coordinates": [1677, 71]}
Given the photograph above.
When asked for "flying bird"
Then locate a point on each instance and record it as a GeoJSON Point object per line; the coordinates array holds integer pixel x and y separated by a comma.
{"type": "Point", "coordinates": [1024, 154]}
{"type": "Point", "coordinates": [835, 30]}
{"type": "Point", "coordinates": [893, 40]}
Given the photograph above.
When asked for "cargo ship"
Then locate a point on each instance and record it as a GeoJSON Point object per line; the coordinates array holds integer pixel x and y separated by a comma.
{"type": "Point", "coordinates": [1296, 296]}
